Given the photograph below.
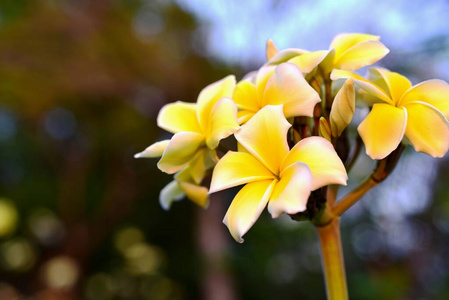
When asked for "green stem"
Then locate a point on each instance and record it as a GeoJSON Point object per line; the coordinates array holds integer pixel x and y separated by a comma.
{"type": "Point", "coordinates": [332, 260]}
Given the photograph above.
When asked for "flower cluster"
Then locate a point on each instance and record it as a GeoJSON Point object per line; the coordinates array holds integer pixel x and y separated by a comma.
{"type": "Point", "coordinates": [287, 119]}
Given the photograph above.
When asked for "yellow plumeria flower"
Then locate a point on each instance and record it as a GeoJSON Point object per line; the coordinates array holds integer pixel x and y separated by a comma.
{"type": "Point", "coordinates": [271, 173]}
{"type": "Point", "coordinates": [187, 182]}
{"type": "Point", "coordinates": [348, 51]}
{"type": "Point", "coordinates": [354, 51]}
{"type": "Point", "coordinates": [417, 112]}
{"type": "Point", "coordinates": [198, 129]}
{"type": "Point", "coordinates": [183, 186]}
{"type": "Point", "coordinates": [196, 126]}
{"type": "Point", "coordinates": [275, 85]}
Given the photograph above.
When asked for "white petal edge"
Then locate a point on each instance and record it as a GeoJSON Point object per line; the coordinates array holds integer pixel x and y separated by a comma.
{"type": "Point", "coordinates": [169, 194]}
{"type": "Point", "coordinates": [247, 206]}
{"type": "Point", "coordinates": [155, 150]}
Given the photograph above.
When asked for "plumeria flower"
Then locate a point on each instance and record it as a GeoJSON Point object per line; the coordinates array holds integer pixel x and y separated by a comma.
{"type": "Point", "coordinates": [182, 186]}
{"type": "Point", "coordinates": [195, 126]}
{"type": "Point", "coordinates": [272, 174]}
{"type": "Point", "coordinates": [187, 182]}
{"type": "Point", "coordinates": [274, 85]}
{"type": "Point", "coordinates": [348, 51]}
{"type": "Point", "coordinates": [417, 112]}
{"type": "Point", "coordinates": [198, 129]}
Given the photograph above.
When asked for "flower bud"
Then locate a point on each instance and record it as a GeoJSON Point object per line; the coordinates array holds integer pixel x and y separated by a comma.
{"type": "Point", "coordinates": [342, 108]}
{"type": "Point", "coordinates": [324, 130]}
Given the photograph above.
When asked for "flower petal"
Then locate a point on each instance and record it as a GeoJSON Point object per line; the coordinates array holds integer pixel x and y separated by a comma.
{"type": "Point", "coordinates": [342, 42]}
{"type": "Point", "coordinates": [203, 160]}
{"type": "Point", "coordinates": [395, 83]}
{"type": "Point", "coordinates": [271, 49]}
{"type": "Point", "coordinates": [343, 108]}
{"type": "Point", "coordinates": [195, 192]}
{"type": "Point", "coordinates": [236, 168]}
{"type": "Point", "coordinates": [155, 150]}
{"type": "Point", "coordinates": [222, 122]}
{"type": "Point", "coordinates": [291, 193]}
{"type": "Point", "coordinates": [427, 129]}
{"type": "Point", "coordinates": [287, 86]}
{"type": "Point", "coordinates": [244, 115]}
{"type": "Point", "coordinates": [250, 76]}
{"type": "Point", "coordinates": [285, 55]}
{"type": "Point", "coordinates": [319, 155]}
{"type": "Point", "coordinates": [181, 149]}
{"type": "Point", "coordinates": [364, 84]}
{"type": "Point", "coordinates": [210, 95]}
{"type": "Point", "coordinates": [434, 92]}
{"type": "Point", "coordinates": [361, 55]}
{"type": "Point", "coordinates": [245, 96]}
{"type": "Point", "coordinates": [265, 136]}
{"type": "Point", "coordinates": [178, 116]}
{"type": "Point", "coordinates": [263, 75]}
{"type": "Point", "coordinates": [308, 61]}
{"type": "Point", "coordinates": [247, 206]}
{"type": "Point", "coordinates": [169, 194]}
{"type": "Point", "coordinates": [383, 129]}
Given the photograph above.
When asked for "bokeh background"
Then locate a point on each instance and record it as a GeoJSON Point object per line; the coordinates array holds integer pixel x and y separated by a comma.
{"type": "Point", "coordinates": [81, 83]}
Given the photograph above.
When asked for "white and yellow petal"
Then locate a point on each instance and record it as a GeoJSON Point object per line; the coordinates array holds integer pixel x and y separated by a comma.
{"type": "Point", "coordinates": [427, 129]}
{"type": "Point", "coordinates": [343, 108]}
{"type": "Point", "coordinates": [244, 116]}
{"type": "Point", "coordinates": [271, 49]}
{"type": "Point", "coordinates": [265, 136]}
{"type": "Point", "coordinates": [193, 191]}
{"type": "Point", "coordinates": [245, 96]}
{"type": "Point", "coordinates": [366, 85]}
{"type": "Point", "coordinates": [210, 95]}
{"type": "Point", "coordinates": [319, 155]}
{"type": "Point", "coordinates": [169, 194]}
{"type": "Point", "coordinates": [287, 86]}
{"type": "Point", "coordinates": [345, 41]}
{"type": "Point", "coordinates": [196, 193]}
{"type": "Point", "coordinates": [285, 55]}
{"type": "Point", "coordinates": [291, 193]}
{"type": "Point", "coordinates": [180, 150]}
{"type": "Point", "coordinates": [383, 129]}
{"type": "Point", "coordinates": [222, 122]}
{"type": "Point", "coordinates": [395, 83]}
{"type": "Point", "coordinates": [360, 55]}
{"type": "Point", "coordinates": [203, 160]}
{"type": "Point", "coordinates": [155, 150]}
{"type": "Point", "coordinates": [236, 168]}
{"type": "Point", "coordinates": [263, 75]}
{"type": "Point", "coordinates": [178, 116]}
{"type": "Point", "coordinates": [309, 61]}
{"type": "Point", "coordinates": [434, 92]}
{"type": "Point", "coordinates": [247, 206]}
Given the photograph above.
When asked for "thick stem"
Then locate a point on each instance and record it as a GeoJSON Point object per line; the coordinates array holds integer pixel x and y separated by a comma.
{"type": "Point", "coordinates": [332, 260]}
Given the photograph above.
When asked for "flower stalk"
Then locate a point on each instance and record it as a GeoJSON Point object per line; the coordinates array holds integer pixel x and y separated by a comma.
{"type": "Point", "coordinates": [383, 168]}
{"type": "Point", "coordinates": [332, 260]}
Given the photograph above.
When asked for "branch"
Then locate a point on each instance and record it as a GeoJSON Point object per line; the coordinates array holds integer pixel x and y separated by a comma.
{"type": "Point", "coordinates": [383, 169]}
{"type": "Point", "coordinates": [355, 154]}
